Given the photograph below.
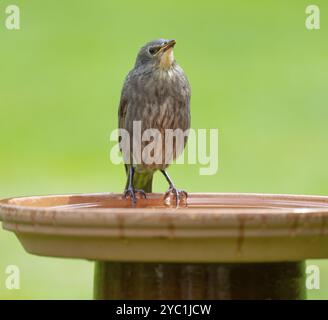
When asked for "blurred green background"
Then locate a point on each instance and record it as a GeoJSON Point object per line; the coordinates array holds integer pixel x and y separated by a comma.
{"type": "Point", "coordinates": [257, 74]}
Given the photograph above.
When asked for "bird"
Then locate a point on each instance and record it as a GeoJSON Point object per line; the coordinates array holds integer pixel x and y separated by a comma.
{"type": "Point", "coordinates": [157, 93]}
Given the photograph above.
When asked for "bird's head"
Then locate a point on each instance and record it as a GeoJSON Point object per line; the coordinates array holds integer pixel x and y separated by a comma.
{"type": "Point", "coordinates": [157, 53]}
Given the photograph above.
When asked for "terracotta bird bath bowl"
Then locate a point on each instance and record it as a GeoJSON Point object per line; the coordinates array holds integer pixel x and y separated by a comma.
{"type": "Point", "coordinates": [213, 246]}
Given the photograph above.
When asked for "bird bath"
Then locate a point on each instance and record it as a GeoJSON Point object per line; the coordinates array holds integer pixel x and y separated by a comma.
{"type": "Point", "coordinates": [214, 246]}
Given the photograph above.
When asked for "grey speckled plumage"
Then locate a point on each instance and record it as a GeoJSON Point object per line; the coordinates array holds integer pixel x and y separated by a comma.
{"type": "Point", "coordinates": [157, 93]}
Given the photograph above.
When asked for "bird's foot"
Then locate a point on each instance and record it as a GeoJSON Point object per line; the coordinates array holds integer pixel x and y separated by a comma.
{"type": "Point", "coordinates": [132, 193]}
{"type": "Point", "coordinates": [178, 195]}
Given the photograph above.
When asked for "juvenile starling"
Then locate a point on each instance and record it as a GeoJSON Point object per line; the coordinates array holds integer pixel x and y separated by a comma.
{"type": "Point", "coordinates": [157, 93]}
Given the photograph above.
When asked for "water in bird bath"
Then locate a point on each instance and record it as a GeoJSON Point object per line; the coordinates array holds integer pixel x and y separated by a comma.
{"type": "Point", "coordinates": [157, 201]}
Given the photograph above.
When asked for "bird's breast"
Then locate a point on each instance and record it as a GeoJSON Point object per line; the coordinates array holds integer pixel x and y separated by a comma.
{"type": "Point", "coordinates": [160, 100]}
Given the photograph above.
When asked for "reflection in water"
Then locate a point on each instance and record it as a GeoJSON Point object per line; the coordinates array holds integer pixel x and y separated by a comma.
{"type": "Point", "coordinates": [156, 202]}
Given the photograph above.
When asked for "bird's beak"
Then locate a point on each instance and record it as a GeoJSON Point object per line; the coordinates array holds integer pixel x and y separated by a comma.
{"type": "Point", "coordinates": [167, 46]}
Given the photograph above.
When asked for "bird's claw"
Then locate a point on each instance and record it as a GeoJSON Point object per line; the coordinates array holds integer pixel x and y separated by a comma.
{"type": "Point", "coordinates": [141, 192]}
{"type": "Point", "coordinates": [177, 194]}
{"type": "Point", "coordinates": [131, 193]}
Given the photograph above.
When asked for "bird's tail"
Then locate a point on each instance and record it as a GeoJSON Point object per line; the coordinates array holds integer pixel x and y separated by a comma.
{"type": "Point", "coordinates": [142, 180]}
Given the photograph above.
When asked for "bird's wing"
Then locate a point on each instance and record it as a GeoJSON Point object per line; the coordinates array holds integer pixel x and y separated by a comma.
{"type": "Point", "coordinates": [122, 111]}
{"type": "Point", "coordinates": [124, 102]}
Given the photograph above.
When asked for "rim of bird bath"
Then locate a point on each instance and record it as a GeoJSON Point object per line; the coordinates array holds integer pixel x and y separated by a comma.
{"type": "Point", "coordinates": [212, 229]}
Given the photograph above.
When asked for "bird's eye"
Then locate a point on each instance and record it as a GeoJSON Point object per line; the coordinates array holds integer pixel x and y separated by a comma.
{"type": "Point", "coordinates": [153, 50]}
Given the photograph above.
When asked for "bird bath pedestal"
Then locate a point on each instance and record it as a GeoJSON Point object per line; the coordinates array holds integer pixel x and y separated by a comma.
{"type": "Point", "coordinates": [214, 246]}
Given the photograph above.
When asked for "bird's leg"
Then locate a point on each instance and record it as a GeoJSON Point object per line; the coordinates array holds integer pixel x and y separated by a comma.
{"type": "Point", "coordinates": [130, 191]}
{"type": "Point", "coordinates": [172, 189]}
